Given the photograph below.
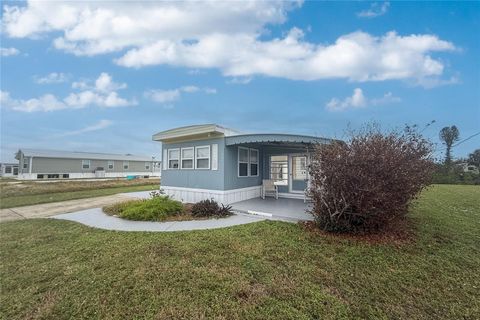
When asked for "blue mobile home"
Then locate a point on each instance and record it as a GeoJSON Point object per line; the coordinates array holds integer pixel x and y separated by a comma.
{"type": "Point", "coordinates": [210, 161]}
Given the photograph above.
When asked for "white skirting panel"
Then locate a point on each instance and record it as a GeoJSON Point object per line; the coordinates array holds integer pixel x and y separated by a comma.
{"type": "Point", "coordinates": [190, 195]}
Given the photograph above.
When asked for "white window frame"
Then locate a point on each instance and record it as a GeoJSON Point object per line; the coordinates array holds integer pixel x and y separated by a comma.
{"type": "Point", "coordinates": [178, 159]}
{"type": "Point", "coordinates": [128, 165]}
{"type": "Point", "coordinates": [247, 162]}
{"type": "Point", "coordinates": [197, 158]}
{"type": "Point", "coordinates": [83, 164]}
{"type": "Point", "coordinates": [250, 162]}
{"type": "Point", "coordinates": [25, 163]}
{"type": "Point", "coordinates": [111, 162]}
{"type": "Point", "coordinates": [192, 158]}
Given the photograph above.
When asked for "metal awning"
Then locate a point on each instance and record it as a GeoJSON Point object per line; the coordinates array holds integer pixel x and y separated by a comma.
{"type": "Point", "coordinates": [275, 139]}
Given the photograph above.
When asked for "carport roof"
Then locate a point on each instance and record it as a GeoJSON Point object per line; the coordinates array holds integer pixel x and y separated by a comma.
{"type": "Point", "coordinates": [275, 138]}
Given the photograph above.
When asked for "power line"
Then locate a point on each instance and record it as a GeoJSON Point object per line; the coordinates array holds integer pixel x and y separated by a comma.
{"type": "Point", "coordinates": [460, 142]}
{"type": "Point", "coordinates": [473, 135]}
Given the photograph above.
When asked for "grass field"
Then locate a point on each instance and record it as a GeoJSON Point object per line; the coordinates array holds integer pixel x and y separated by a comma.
{"type": "Point", "coordinates": [16, 194]}
{"type": "Point", "coordinates": [267, 270]}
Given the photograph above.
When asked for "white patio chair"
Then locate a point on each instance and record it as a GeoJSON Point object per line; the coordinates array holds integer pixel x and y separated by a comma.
{"type": "Point", "coordinates": [306, 195]}
{"type": "Point", "coordinates": [269, 187]}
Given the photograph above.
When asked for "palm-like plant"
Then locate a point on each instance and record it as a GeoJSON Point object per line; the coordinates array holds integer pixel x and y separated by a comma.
{"type": "Point", "coordinates": [449, 135]}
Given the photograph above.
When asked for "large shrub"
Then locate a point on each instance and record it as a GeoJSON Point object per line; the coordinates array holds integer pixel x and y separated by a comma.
{"type": "Point", "coordinates": [210, 208]}
{"type": "Point", "coordinates": [369, 180]}
{"type": "Point", "coordinates": [157, 208]}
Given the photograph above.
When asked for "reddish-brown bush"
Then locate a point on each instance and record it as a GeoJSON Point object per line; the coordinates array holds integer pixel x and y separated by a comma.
{"type": "Point", "coordinates": [369, 180]}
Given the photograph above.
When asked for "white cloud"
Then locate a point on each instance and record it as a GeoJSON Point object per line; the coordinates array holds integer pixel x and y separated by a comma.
{"type": "Point", "coordinates": [357, 56]}
{"type": "Point", "coordinates": [47, 102]}
{"type": "Point", "coordinates": [166, 97]}
{"type": "Point", "coordinates": [229, 36]}
{"type": "Point", "coordinates": [376, 9]}
{"type": "Point", "coordinates": [163, 96]}
{"type": "Point", "coordinates": [103, 94]}
{"type": "Point", "coordinates": [54, 77]}
{"type": "Point", "coordinates": [240, 80]}
{"type": "Point", "coordinates": [358, 100]}
{"type": "Point", "coordinates": [104, 83]}
{"type": "Point", "coordinates": [6, 52]}
{"type": "Point", "coordinates": [210, 90]}
{"type": "Point", "coordinates": [100, 125]}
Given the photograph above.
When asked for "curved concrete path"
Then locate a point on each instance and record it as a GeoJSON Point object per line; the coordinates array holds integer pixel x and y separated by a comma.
{"type": "Point", "coordinates": [98, 219]}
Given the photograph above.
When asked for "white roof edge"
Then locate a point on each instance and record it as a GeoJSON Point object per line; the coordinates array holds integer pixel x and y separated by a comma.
{"type": "Point", "coordinates": [193, 130]}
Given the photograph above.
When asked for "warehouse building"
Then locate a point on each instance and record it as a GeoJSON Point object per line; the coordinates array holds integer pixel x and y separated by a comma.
{"type": "Point", "coordinates": [52, 164]}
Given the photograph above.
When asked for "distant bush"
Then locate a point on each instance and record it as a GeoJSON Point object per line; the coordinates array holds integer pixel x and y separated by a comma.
{"type": "Point", "coordinates": [158, 208]}
{"type": "Point", "coordinates": [210, 208]}
{"type": "Point", "coordinates": [364, 183]}
{"type": "Point", "coordinates": [454, 175]}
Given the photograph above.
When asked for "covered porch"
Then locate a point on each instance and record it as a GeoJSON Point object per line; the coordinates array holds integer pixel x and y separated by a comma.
{"type": "Point", "coordinates": [281, 159]}
{"type": "Point", "coordinates": [285, 209]}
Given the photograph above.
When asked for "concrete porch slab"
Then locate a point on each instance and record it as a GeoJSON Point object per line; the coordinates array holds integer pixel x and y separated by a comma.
{"type": "Point", "coordinates": [292, 210]}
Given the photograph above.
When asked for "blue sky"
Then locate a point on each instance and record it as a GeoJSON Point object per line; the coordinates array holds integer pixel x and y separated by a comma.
{"type": "Point", "coordinates": [106, 76]}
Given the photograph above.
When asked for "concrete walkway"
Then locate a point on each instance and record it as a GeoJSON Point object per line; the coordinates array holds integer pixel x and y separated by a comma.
{"type": "Point", "coordinates": [54, 208]}
{"type": "Point", "coordinates": [98, 219]}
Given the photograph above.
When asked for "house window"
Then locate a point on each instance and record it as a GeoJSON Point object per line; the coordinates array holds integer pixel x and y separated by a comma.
{"type": "Point", "coordinates": [85, 164]}
{"type": "Point", "coordinates": [173, 157]}
{"type": "Point", "coordinates": [254, 162]}
{"type": "Point", "coordinates": [202, 157]}
{"type": "Point", "coordinates": [242, 162]}
{"type": "Point", "coordinates": [25, 163]}
{"type": "Point", "coordinates": [65, 176]}
{"type": "Point", "coordinates": [8, 169]}
{"type": "Point", "coordinates": [248, 162]}
{"type": "Point", "coordinates": [147, 165]}
{"type": "Point", "coordinates": [187, 158]}
{"type": "Point", "coordinates": [110, 165]}
{"type": "Point", "coordinates": [125, 165]}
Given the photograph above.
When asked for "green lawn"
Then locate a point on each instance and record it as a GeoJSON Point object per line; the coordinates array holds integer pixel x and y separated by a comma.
{"type": "Point", "coordinates": [30, 193]}
{"type": "Point", "coordinates": [268, 270]}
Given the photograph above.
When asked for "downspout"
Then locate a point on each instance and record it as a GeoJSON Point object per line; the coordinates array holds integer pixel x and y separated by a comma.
{"type": "Point", "coordinates": [30, 165]}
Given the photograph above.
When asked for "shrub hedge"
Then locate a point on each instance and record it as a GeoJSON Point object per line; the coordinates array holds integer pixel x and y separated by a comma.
{"type": "Point", "coordinates": [364, 183]}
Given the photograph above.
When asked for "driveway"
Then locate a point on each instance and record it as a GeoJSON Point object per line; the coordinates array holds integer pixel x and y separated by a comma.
{"type": "Point", "coordinates": [54, 208]}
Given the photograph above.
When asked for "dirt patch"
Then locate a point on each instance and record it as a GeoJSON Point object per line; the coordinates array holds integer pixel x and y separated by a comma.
{"type": "Point", "coordinates": [34, 187]}
{"type": "Point", "coordinates": [399, 232]}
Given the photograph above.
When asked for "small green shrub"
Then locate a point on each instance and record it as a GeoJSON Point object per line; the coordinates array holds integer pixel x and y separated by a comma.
{"type": "Point", "coordinates": [210, 208]}
{"type": "Point", "coordinates": [157, 208]}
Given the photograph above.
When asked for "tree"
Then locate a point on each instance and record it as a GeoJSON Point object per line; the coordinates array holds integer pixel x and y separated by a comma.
{"type": "Point", "coordinates": [449, 135]}
{"type": "Point", "coordinates": [474, 158]}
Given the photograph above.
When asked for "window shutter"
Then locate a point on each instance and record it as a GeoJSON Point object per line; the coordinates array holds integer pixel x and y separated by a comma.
{"type": "Point", "coordinates": [214, 156]}
{"type": "Point", "coordinates": [165, 160]}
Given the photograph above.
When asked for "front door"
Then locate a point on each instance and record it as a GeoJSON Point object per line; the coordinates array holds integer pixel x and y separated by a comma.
{"type": "Point", "coordinates": [298, 173]}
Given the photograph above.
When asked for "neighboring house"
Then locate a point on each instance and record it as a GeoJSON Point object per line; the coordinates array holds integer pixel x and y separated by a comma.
{"type": "Point", "coordinates": [8, 169]}
{"type": "Point", "coordinates": [209, 161]}
{"type": "Point", "coordinates": [468, 167]}
{"type": "Point", "coordinates": [51, 164]}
